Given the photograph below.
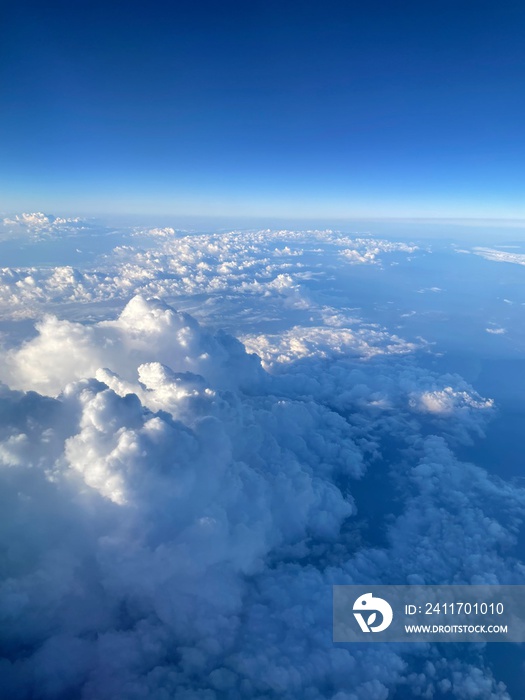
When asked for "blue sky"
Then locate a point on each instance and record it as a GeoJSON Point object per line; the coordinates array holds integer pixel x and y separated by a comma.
{"type": "Point", "coordinates": [314, 109]}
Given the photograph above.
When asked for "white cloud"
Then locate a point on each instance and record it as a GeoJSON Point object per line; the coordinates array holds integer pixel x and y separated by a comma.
{"type": "Point", "coordinates": [37, 223]}
{"type": "Point", "coordinates": [447, 401]}
{"type": "Point", "coordinates": [303, 342]}
{"type": "Point", "coordinates": [36, 220]}
{"type": "Point", "coordinates": [186, 508]}
{"type": "Point", "coordinates": [367, 251]}
{"type": "Point", "coordinates": [168, 513]}
{"type": "Point", "coordinates": [173, 516]}
{"type": "Point", "coordinates": [166, 232]}
{"type": "Point", "coordinates": [500, 255]}
{"type": "Point", "coordinates": [250, 266]}
{"type": "Point", "coordinates": [64, 351]}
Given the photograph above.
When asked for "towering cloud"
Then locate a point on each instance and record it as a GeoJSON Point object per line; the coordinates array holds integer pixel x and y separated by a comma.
{"type": "Point", "coordinates": [174, 516]}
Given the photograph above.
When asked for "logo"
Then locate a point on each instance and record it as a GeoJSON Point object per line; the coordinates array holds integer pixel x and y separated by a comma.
{"type": "Point", "coordinates": [368, 604]}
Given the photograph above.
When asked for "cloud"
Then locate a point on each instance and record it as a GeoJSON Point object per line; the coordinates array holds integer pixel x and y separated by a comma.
{"type": "Point", "coordinates": [176, 508]}
{"type": "Point", "coordinates": [174, 516]}
{"type": "Point", "coordinates": [368, 251]}
{"type": "Point", "coordinates": [37, 223]}
{"type": "Point", "coordinates": [252, 268]}
{"type": "Point", "coordinates": [303, 342]}
{"type": "Point", "coordinates": [447, 401]}
{"type": "Point", "coordinates": [35, 220]}
{"type": "Point", "coordinates": [64, 351]}
{"type": "Point", "coordinates": [166, 232]}
{"type": "Point", "coordinates": [202, 504]}
{"type": "Point", "coordinates": [500, 255]}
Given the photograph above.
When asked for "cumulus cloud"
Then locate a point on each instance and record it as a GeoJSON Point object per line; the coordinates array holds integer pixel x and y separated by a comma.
{"type": "Point", "coordinates": [35, 219]}
{"type": "Point", "coordinates": [447, 401]}
{"type": "Point", "coordinates": [174, 517]}
{"type": "Point", "coordinates": [175, 508]}
{"type": "Point", "coordinates": [37, 223]}
{"type": "Point", "coordinates": [249, 265]}
{"type": "Point", "coordinates": [368, 251]}
{"type": "Point", "coordinates": [181, 509]}
{"type": "Point", "coordinates": [302, 342]}
{"type": "Point", "coordinates": [166, 232]}
{"type": "Point", "coordinates": [64, 351]}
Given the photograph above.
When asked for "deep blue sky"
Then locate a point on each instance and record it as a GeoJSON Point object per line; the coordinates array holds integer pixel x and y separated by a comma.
{"type": "Point", "coordinates": [321, 108]}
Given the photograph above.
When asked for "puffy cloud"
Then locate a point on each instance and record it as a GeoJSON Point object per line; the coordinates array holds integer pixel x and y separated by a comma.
{"type": "Point", "coordinates": [166, 232]}
{"type": "Point", "coordinates": [252, 266]}
{"type": "Point", "coordinates": [180, 512]}
{"type": "Point", "coordinates": [36, 219]}
{"type": "Point", "coordinates": [173, 515]}
{"type": "Point", "coordinates": [64, 351]}
{"type": "Point", "coordinates": [36, 223]}
{"type": "Point", "coordinates": [173, 526]}
{"type": "Point", "coordinates": [447, 401]}
{"type": "Point", "coordinates": [303, 342]}
{"type": "Point", "coordinates": [367, 251]}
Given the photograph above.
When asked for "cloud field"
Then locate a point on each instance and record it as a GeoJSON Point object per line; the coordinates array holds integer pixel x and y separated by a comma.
{"type": "Point", "coordinates": [177, 502]}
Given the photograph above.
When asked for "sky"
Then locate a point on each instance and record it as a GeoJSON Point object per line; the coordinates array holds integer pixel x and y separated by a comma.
{"type": "Point", "coordinates": [203, 429]}
{"type": "Point", "coordinates": [295, 109]}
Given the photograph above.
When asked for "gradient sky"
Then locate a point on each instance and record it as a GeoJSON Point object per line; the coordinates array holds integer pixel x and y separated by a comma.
{"type": "Point", "coordinates": [296, 109]}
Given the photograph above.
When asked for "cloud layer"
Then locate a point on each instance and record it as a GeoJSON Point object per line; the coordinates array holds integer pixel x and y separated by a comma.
{"type": "Point", "coordinates": [250, 267]}
{"type": "Point", "coordinates": [174, 516]}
